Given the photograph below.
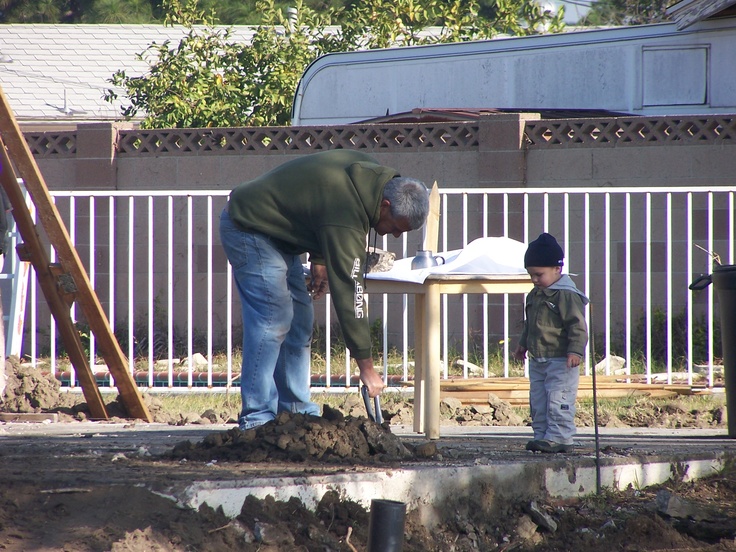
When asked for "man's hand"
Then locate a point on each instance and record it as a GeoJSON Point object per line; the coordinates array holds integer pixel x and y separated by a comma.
{"type": "Point", "coordinates": [520, 353]}
{"type": "Point", "coordinates": [573, 360]}
{"type": "Point", "coordinates": [318, 285]}
{"type": "Point", "coordinates": [370, 377]}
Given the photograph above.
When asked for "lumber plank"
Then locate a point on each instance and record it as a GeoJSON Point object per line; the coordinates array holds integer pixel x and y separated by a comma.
{"type": "Point", "coordinates": [29, 417]}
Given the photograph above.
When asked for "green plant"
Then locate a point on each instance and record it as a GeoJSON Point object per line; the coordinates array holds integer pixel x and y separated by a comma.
{"type": "Point", "coordinates": [660, 343]}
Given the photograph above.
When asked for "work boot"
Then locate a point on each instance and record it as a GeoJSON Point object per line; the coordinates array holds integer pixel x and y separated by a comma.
{"type": "Point", "coordinates": [533, 445]}
{"type": "Point", "coordinates": [545, 445]}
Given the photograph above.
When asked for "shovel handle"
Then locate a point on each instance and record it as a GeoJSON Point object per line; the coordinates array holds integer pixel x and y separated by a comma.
{"type": "Point", "coordinates": [374, 412]}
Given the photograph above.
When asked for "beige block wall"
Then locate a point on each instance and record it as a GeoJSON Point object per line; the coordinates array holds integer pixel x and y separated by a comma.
{"type": "Point", "coordinates": [501, 158]}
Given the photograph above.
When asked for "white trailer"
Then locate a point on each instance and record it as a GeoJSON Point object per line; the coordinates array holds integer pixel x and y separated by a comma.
{"type": "Point", "coordinates": [642, 70]}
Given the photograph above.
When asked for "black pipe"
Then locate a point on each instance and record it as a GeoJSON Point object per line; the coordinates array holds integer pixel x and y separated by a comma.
{"type": "Point", "coordinates": [386, 526]}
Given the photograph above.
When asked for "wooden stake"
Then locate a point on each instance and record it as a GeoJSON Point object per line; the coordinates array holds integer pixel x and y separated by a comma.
{"type": "Point", "coordinates": [432, 226]}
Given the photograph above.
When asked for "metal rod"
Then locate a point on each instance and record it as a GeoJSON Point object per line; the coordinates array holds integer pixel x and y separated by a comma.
{"type": "Point", "coordinates": [595, 407]}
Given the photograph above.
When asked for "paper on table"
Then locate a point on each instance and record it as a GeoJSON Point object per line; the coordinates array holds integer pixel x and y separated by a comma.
{"type": "Point", "coordinates": [481, 256]}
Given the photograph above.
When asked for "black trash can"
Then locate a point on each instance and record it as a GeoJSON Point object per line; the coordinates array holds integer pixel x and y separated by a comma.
{"type": "Point", "coordinates": [724, 281]}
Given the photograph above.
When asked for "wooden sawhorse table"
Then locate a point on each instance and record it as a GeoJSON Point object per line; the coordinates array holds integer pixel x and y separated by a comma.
{"type": "Point", "coordinates": [427, 362]}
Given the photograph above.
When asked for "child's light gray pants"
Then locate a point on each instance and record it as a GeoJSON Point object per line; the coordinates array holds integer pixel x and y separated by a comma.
{"type": "Point", "coordinates": [553, 388]}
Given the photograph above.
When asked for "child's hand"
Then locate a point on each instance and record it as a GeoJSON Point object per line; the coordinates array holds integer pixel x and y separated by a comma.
{"type": "Point", "coordinates": [573, 360]}
{"type": "Point", "coordinates": [520, 353]}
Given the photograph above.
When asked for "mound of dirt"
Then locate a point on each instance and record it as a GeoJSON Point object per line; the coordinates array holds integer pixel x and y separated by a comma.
{"type": "Point", "coordinates": [331, 437]}
{"type": "Point", "coordinates": [28, 390]}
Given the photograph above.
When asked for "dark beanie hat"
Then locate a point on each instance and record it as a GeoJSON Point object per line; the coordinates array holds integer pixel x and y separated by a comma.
{"type": "Point", "coordinates": [544, 251]}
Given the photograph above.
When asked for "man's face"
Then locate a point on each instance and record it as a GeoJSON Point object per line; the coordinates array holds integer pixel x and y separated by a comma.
{"type": "Point", "coordinates": [388, 224]}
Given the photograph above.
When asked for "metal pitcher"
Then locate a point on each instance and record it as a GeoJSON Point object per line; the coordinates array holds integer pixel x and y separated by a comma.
{"type": "Point", "coordinates": [425, 259]}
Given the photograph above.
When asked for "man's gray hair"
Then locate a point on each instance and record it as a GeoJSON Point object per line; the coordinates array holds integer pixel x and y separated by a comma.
{"type": "Point", "coordinates": [409, 198]}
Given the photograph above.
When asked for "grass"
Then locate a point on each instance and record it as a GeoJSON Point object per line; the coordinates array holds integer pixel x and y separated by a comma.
{"type": "Point", "coordinates": [624, 408]}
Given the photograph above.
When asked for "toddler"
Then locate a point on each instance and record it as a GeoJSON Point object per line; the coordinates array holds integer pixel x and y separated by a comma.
{"type": "Point", "coordinates": [555, 335]}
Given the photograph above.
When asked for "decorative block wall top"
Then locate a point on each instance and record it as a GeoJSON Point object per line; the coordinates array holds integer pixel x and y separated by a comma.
{"type": "Point", "coordinates": [47, 144]}
{"type": "Point", "coordinates": [281, 139]}
{"type": "Point", "coordinates": [447, 136]}
{"type": "Point", "coordinates": [630, 131]}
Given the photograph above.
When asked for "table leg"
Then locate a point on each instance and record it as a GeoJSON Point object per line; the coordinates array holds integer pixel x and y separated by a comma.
{"type": "Point", "coordinates": [432, 366]}
{"type": "Point", "coordinates": [419, 359]}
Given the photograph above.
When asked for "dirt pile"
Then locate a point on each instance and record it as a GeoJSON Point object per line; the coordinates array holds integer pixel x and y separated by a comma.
{"type": "Point", "coordinates": [333, 437]}
{"type": "Point", "coordinates": [27, 390]}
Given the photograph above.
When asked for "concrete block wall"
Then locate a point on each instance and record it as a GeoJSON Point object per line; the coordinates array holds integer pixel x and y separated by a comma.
{"type": "Point", "coordinates": [497, 151]}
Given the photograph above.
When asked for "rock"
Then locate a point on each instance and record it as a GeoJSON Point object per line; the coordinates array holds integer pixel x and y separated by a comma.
{"type": "Point", "coordinates": [426, 450]}
{"type": "Point", "coordinates": [540, 517]}
{"type": "Point", "coordinates": [198, 360]}
{"type": "Point", "coordinates": [450, 406]}
{"type": "Point", "coordinates": [481, 409]}
{"type": "Point", "coordinates": [332, 414]}
{"type": "Point", "coordinates": [354, 406]}
{"type": "Point", "coordinates": [704, 369]}
{"type": "Point", "coordinates": [526, 529]}
{"type": "Point", "coordinates": [615, 421]}
{"type": "Point", "coordinates": [473, 369]}
{"type": "Point", "coordinates": [404, 415]}
{"type": "Point", "coordinates": [274, 534]}
{"type": "Point", "coordinates": [242, 531]}
{"type": "Point", "coordinates": [503, 412]}
{"type": "Point", "coordinates": [210, 415]}
{"type": "Point", "coordinates": [609, 525]}
{"type": "Point", "coordinates": [674, 506]}
{"type": "Point", "coordinates": [188, 418]}
{"type": "Point", "coordinates": [384, 442]}
{"type": "Point", "coordinates": [617, 365]}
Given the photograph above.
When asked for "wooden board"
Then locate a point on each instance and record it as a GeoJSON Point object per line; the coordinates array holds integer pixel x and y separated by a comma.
{"type": "Point", "coordinates": [432, 226]}
{"type": "Point", "coordinates": [29, 417]}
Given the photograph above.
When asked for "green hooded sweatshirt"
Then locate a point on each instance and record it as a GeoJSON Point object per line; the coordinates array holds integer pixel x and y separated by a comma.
{"type": "Point", "coordinates": [323, 204]}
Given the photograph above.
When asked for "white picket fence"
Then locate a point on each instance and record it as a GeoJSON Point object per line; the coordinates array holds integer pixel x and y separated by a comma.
{"type": "Point", "coordinates": [633, 252]}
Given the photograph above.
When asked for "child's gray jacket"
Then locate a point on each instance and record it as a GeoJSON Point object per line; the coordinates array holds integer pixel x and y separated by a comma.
{"type": "Point", "coordinates": [554, 324]}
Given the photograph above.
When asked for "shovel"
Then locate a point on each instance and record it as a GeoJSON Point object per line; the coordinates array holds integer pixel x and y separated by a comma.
{"type": "Point", "coordinates": [374, 411]}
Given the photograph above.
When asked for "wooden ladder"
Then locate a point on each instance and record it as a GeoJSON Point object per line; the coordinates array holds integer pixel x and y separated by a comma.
{"type": "Point", "coordinates": [66, 281]}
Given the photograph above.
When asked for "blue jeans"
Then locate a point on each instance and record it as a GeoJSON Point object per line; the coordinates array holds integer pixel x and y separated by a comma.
{"type": "Point", "coordinates": [277, 326]}
{"type": "Point", "coordinates": [553, 389]}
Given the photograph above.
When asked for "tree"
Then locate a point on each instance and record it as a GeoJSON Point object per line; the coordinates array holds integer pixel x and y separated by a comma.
{"type": "Point", "coordinates": [627, 12]}
{"type": "Point", "coordinates": [38, 11]}
{"type": "Point", "coordinates": [79, 11]}
{"type": "Point", "coordinates": [119, 11]}
{"type": "Point", "coordinates": [209, 81]}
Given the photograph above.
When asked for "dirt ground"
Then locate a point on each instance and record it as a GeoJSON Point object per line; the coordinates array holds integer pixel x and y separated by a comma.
{"type": "Point", "coordinates": [52, 501]}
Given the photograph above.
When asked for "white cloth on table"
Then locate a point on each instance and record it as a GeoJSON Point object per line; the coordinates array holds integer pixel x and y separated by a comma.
{"type": "Point", "coordinates": [494, 255]}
